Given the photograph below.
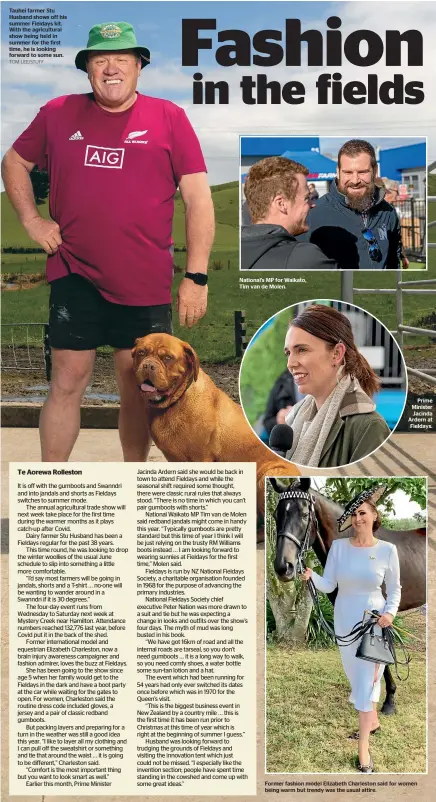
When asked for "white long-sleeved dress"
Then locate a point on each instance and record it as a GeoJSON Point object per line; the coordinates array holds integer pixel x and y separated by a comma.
{"type": "Point", "coordinates": [359, 572]}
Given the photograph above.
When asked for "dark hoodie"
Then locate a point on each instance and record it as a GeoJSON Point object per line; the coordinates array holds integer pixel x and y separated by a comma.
{"type": "Point", "coordinates": [268, 247]}
{"type": "Point", "coordinates": [337, 230]}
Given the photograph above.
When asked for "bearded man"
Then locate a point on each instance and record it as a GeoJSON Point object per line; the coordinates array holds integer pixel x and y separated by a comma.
{"type": "Point", "coordinates": [353, 224]}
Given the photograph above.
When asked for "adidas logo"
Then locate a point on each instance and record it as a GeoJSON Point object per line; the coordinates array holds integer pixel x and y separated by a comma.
{"type": "Point", "coordinates": [77, 135]}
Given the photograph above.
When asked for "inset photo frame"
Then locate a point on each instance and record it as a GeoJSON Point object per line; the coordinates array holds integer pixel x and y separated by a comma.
{"type": "Point", "coordinates": [329, 203]}
{"type": "Point", "coordinates": [333, 388]}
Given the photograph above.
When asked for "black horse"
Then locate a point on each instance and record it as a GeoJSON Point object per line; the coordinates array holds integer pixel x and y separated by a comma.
{"type": "Point", "coordinates": [308, 519]}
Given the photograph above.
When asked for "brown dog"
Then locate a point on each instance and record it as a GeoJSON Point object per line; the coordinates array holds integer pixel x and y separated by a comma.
{"type": "Point", "coordinates": [191, 419]}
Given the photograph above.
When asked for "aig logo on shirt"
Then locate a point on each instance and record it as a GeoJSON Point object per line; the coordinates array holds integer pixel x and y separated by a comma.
{"type": "Point", "coordinates": [96, 156]}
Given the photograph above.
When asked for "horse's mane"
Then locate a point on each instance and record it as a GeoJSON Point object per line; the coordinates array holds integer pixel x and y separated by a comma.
{"type": "Point", "coordinates": [336, 508]}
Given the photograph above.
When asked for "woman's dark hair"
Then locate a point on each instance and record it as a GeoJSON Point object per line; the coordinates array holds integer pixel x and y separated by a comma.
{"type": "Point", "coordinates": [333, 327]}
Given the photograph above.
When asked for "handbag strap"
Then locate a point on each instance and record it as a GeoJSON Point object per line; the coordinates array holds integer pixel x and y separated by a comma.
{"type": "Point", "coordinates": [394, 641]}
{"type": "Point", "coordinates": [352, 636]}
{"type": "Point", "coordinates": [391, 637]}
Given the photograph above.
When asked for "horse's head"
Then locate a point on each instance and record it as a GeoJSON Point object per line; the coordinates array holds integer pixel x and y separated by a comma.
{"type": "Point", "coordinates": [295, 525]}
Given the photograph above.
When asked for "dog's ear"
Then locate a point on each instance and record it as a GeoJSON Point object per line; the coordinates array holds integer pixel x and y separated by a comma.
{"type": "Point", "coordinates": [193, 359]}
{"type": "Point", "coordinates": [134, 349]}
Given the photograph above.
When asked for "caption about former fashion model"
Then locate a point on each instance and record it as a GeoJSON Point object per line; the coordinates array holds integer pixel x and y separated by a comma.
{"type": "Point", "coordinates": [132, 599]}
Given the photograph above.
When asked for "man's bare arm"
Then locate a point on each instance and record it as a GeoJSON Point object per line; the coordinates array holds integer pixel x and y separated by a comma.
{"type": "Point", "coordinates": [18, 186]}
{"type": "Point", "coordinates": [200, 220]}
{"type": "Point", "coordinates": [200, 231]}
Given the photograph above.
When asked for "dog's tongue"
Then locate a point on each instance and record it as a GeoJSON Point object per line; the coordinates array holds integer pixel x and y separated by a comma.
{"type": "Point", "coordinates": [148, 388]}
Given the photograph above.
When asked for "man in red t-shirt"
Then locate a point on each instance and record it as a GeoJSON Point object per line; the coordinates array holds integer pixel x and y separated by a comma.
{"type": "Point", "coordinates": [115, 159]}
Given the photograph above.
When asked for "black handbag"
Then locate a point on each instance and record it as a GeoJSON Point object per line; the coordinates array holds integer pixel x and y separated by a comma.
{"type": "Point", "coordinates": [376, 648]}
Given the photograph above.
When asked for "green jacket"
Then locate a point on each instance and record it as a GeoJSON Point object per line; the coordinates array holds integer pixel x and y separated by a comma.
{"type": "Point", "coordinates": [357, 431]}
{"type": "Point", "coordinates": [353, 437]}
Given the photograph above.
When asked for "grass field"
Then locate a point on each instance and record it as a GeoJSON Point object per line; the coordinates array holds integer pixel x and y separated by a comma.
{"type": "Point", "coordinates": [213, 337]}
{"type": "Point", "coordinates": [225, 198]}
{"type": "Point", "coordinates": [309, 717]}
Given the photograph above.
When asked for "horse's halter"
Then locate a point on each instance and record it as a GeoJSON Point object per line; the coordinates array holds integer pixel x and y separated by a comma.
{"type": "Point", "coordinates": [312, 520]}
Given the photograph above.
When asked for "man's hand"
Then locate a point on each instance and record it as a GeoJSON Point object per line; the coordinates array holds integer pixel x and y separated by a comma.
{"type": "Point", "coordinates": [45, 232]}
{"type": "Point", "coordinates": [16, 178]}
{"type": "Point", "coordinates": [191, 302]}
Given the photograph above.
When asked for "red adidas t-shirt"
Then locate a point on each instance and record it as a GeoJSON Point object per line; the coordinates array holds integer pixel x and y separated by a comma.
{"type": "Point", "coordinates": [113, 176]}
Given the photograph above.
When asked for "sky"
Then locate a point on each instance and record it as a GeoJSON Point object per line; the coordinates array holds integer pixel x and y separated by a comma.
{"type": "Point", "coordinates": [329, 146]}
{"type": "Point", "coordinates": [158, 26]}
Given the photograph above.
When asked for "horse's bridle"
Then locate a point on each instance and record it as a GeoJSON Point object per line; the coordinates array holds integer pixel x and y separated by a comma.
{"type": "Point", "coordinates": [303, 547]}
{"type": "Point", "coordinates": [312, 520]}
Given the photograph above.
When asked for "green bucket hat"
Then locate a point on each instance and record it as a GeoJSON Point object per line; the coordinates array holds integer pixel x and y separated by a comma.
{"type": "Point", "coordinates": [112, 36]}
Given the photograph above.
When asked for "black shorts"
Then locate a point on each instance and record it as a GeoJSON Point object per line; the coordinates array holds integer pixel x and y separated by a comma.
{"type": "Point", "coordinates": [81, 319]}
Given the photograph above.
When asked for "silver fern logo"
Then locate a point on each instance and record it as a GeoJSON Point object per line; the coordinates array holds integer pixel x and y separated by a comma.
{"type": "Point", "coordinates": [132, 138]}
{"type": "Point", "coordinates": [135, 134]}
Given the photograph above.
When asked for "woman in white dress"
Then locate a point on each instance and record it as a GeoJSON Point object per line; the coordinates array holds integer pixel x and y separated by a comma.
{"type": "Point", "coordinates": [358, 566]}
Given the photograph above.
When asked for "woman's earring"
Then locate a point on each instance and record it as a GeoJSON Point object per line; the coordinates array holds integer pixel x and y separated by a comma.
{"type": "Point", "coordinates": [340, 374]}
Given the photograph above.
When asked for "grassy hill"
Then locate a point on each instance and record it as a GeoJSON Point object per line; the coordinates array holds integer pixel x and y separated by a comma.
{"type": "Point", "coordinates": [213, 337]}
{"type": "Point", "coordinates": [224, 253]}
{"type": "Point", "coordinates": [13, 233]}
{"type": "Point", "coordinates": [225, 199]}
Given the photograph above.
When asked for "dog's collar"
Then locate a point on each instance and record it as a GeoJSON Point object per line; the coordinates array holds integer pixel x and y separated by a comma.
{"type": "Point", "coordinates": [156, 406]}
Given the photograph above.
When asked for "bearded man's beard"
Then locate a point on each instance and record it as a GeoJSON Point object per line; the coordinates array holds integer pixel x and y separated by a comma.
{"type": "Point", "coordinates": [359, 202]}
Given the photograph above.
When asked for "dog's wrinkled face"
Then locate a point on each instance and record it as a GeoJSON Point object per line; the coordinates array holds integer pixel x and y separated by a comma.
{"type": "Point", "coordinates": [164, 367]}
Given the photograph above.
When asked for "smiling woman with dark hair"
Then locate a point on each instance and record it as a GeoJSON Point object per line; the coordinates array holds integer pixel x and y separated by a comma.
{"type": "Point", "coordinates": [337, 422]}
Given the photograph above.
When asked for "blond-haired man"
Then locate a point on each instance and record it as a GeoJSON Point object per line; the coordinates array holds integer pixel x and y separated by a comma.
{"type": "Point", "coordinates": [278, 200]}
